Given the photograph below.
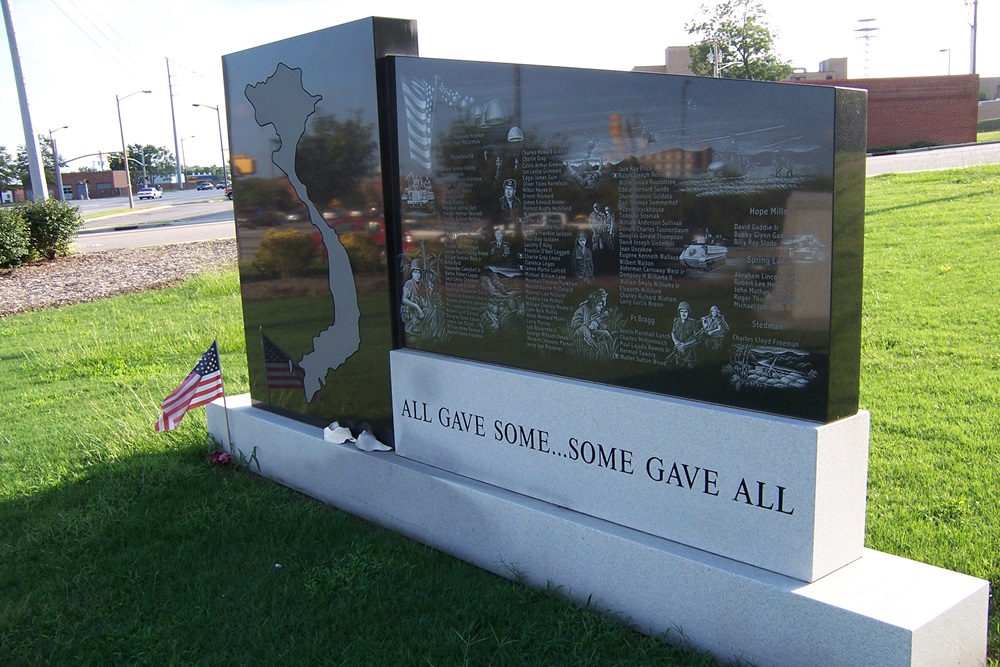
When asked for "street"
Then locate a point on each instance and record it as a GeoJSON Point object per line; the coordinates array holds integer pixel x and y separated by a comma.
{"type": "Point", "coordinates": [929, 159]}
{"type": "Point", "coordinates": [179, 217]}
{"type": "Point", "coordinates": [95, 206]}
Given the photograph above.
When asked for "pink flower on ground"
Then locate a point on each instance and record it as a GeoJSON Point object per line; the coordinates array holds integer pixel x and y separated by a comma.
{"type": "Point", "coordinates": [221, 458]}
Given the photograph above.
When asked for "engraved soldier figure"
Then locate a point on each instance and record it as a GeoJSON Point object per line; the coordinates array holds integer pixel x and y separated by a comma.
{"type": "Point", "coordinates": [685, 335]}
{"type": "Point", "coordinates": [590, 327]}
{"type": "Point", "coordinates": [596, 220]}
{"type": "Point", "coordinates": [582, 258]}
{"type": "Point", "coordinates": [509, 203]}
{"type": "Point", "coordinates": [715, 327]}
{"type": "Point", "coordinates": [417, 302]}
{"type": "Point", "coordinates": [499, 249]}
{"type": "Point", "coordinates": [608, 229]}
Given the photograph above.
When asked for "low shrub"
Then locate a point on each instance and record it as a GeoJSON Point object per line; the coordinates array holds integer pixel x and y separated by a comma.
{"type": "Point", "coordinates": [991, 125]}
{"type": "Point", "coordinates": [286, 253]}
{"type": "Point", "coordinates": [364, 254]}
{"type": "Point", "coordinates": [52, 225]}
{"type": "Point", "coordinates": [876, 150]}
{"type": "Point", "coordinates": [15, 237]}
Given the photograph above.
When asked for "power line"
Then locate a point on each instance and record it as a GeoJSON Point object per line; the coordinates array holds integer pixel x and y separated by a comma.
{"type": "Point", "coordinates": [111, 41]}
{"type": "Point", "coordinates": [88, 36]}
{"type": "Point", "coordinates": [119, 35]}
{"type": "Point", "coordinates": [187, 69]}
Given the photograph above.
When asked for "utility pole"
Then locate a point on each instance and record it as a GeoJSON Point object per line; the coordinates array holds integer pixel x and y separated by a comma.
{"type": "Point", "coordinates": [39, 189]}
{"type": "Point", "coordinates": [974, 25]}
{"type": "Point", "coordinates": [173, 117]}
{"type": "Point", "coordinates": [222, 146]}
{"type": "Point", "coordinates": [121, 129]}
{"type": "Point", "coordinates": [55, 162]}
{"type": "Point", "coordinates": [866, 31]}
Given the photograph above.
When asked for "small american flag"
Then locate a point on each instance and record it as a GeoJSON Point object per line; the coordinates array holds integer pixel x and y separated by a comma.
{"type": "Point", "coordinates": [202, 386]}
{"type": "Point", "coordinates": [281, 371]}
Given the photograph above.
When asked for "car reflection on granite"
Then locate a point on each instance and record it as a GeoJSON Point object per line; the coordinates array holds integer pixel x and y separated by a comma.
{"type": "Point", "coordinates": [374, 226]}
{"type": "Point", "coordinates": [254, 216]}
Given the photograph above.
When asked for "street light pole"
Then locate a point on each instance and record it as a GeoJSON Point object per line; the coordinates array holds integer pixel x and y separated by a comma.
{"type": "Point", "coordinates": [128, 175]}
{"type": "Point", "coordinates": [142, 154]}
{"type": "Point", "coordinates": [974, 25]}
{"type": "Point", "coordinates": [55, 162]}
{"type": "Point", "coordinates": [949, 59]}
{"type": "Point", "coordinates": [183, 158]}
{"type": "Point", "coordinates": [222, 147]}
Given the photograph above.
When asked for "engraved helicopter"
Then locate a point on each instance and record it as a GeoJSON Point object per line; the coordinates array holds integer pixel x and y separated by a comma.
{"type": "Point", "coordinates": [736, 163]}
{"type": "Point", "coordinates": [743, 170]}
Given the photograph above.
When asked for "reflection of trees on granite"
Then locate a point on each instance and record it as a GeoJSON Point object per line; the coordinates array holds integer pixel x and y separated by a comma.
{"type": "Point", "coordinates": [335, 158]}
{"type": "Point", "coordinates": [266, 193]}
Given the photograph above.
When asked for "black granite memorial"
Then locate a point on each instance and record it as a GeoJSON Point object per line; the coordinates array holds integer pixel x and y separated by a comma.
{"type": "Point", "coordinates": [693, 237]}
{"type": "Point", "coordinates": [688, 237]}
{"type": "Point", "coordinates": [310, 224]}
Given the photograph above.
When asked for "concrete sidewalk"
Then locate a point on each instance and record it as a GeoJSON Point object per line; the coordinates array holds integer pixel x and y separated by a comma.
{"type": "Point", "coordinates": [930, 159]}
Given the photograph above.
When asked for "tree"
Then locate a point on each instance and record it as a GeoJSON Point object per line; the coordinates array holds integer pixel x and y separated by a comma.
{"type": "Point", "coordinates": [335, 157]}
{"type": "Point", "coordinates": [23, 174]}
{"type": "Point", "coordinates": [8, 169]}
{"type": "Point", "coordinates": [735, 42]}
{"type": "Point", "coordinates": [158, 162]}
{"type": "Point", "coordinates": [214, 170]}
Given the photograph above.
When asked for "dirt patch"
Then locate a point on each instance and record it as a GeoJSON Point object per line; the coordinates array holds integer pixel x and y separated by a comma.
{"type": "Point", "coordinates": [86, 277]}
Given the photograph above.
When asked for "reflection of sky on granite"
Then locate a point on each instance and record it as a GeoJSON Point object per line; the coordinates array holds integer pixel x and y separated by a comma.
{"type": "Point", "coordinates": [341, 70]}
{"type": "Point", "coordinates": [574, 106]}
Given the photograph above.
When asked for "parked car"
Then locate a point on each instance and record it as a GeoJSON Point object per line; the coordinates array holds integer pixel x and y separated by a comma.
{"type": "Point", "coordinates": [229, 192]}
{"type": "Point", "coordinates": [373, 226]}
{"type": "Point", "coordinates": [206, 186]}
{"type": "Point", "coordinates": [149, 193]}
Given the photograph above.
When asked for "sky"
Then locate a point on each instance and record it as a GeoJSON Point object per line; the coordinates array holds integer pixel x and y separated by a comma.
{"type": "Point", "coordinates": [77, 55]}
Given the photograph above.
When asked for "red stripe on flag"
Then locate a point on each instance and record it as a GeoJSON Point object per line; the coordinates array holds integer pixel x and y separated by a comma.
{"type": "Point", "coordinates": [196, 390]}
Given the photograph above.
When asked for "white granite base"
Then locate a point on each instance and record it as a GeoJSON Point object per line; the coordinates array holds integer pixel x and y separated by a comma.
{"type": "Point", "coordinates": [783, 494]}
{"type": "Point", "coordinates": [879, 610]}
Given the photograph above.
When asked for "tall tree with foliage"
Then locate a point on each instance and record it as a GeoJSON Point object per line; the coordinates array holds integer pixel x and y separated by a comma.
{"type": "Point", "coordinates": [736, 42]}
{"type": "Point", "coordinates": [214, 170]}
{"type": "Point", "coordinates": [158, 160]}
{"type": "Point", "coordinates": [335, 157]}
{"type": "Point", "coordinates": [8, 169]}
{"type": "Point", "coordinates": [23, 172]}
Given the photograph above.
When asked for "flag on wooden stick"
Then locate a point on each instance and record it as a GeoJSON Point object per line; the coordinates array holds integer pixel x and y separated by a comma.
{"type": "Point", "coordinates": [201, 387]}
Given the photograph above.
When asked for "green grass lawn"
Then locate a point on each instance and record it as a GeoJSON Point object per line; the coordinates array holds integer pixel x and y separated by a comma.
{"type": "Point", "coordinates": [931, 369]}
{"type": "Point", "coordinates": [121, 545]}
{"type": "Point", "coordinates": [988, 136]}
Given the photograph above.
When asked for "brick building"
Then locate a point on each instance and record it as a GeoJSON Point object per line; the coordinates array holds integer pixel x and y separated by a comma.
{"type": "Point", "coordinates": [922, 109]}
{"type": "Point", "coordinates": [901, 111]}
{"type": "Point", "coordinates": [99, 184]}
{"type": "Point", "coordinates": [77, 185]}
{"type": "Point", "coordinates": [677, 162]}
